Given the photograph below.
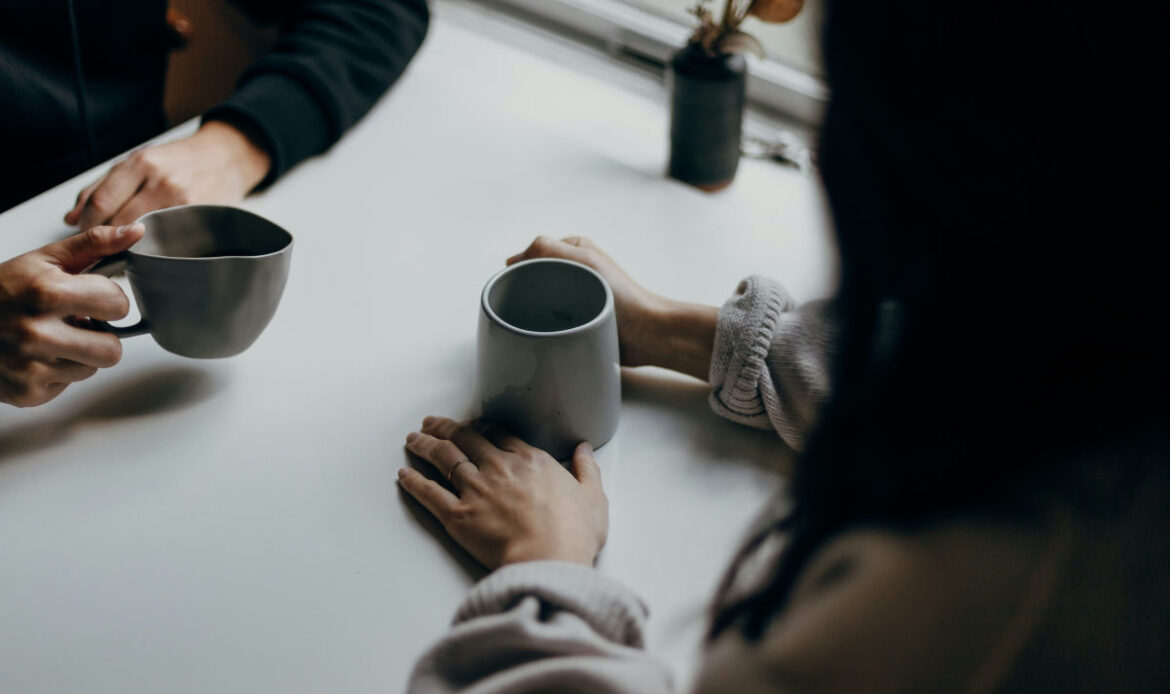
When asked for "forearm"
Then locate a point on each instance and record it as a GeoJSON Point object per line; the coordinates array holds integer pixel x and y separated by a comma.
{"type": "Point", "coordinates": [331, 63]}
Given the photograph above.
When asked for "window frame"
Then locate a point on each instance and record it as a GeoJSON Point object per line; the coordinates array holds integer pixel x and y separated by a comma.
{"type": "Point", "coordinates": [622, 28]}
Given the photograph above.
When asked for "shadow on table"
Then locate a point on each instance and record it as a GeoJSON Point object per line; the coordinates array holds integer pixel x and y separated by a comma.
{"type": "Point", "coordinates": [427, 521]}
{"type": "Point", "coordinates": [154, 392]}
{"type": "Point", "coordinates": [719, 438]}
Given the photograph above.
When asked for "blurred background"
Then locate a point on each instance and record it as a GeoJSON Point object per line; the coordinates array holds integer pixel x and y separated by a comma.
{"type": "Point", "coordinates": [787, 87]}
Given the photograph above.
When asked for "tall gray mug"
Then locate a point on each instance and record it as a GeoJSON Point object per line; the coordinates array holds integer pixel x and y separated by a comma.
{"type": "Point", "coordinates": [548, 367]}
{"type": "Point", "coordinates": [207, 278]}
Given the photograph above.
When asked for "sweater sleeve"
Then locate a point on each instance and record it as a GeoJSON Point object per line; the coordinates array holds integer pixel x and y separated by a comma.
{"type": "Point", "coordinates": [332, 60]}
{"type": "Point", "coordinates": [770, 364]}
{"type": "Point", "coordinates": [540, 627]}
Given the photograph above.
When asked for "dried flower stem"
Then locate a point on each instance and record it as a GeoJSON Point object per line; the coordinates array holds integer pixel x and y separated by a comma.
{"type": "Point", "coordinates": [728, 16]}
{"type": "Point", "coordinates": [709, 34]}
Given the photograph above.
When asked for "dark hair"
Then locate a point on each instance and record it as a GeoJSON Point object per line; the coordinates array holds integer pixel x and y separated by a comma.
{"type": "Point", "coordinates": [989, 168]}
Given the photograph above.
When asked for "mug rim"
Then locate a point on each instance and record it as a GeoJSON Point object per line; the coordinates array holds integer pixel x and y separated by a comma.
{"type": "Point", "coordinates": [602, 315]}
{"type": "Point", "coordinates": [155, 256]}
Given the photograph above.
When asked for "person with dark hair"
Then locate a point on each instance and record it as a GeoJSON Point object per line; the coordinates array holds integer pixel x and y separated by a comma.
{"type": "Point", "coordinates": [83, 82]}
{"type": "Point", "coordinates": [981, 498]}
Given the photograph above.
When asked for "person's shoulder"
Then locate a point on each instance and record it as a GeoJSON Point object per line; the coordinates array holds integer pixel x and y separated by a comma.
{"type": "Point", "coordinates": [879, 609]}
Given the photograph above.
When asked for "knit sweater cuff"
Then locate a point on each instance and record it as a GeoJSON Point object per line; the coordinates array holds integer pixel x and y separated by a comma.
{"type": "Point", "coordinates": [743, 336]}
{"type": "Point", "coordinates": [610, 609]}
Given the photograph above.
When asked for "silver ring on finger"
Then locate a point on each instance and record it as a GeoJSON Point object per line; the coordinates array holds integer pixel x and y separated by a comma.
{"type": "Point", "coordinates": [451, 472]}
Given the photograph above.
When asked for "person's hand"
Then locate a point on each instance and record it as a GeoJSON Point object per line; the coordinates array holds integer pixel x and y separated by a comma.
{"type": "Point", "coordinates": [218, 164]}
{"type": "Point", "coordinates": [652, 330]}
{"type": "Point", "coordinates": [44, 305]}
{"type": "Point", "coordinates": [512, 502]}
{"type": "Point", "coordinates": [636, 307]}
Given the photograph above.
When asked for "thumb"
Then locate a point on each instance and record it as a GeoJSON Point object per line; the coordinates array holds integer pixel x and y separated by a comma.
{"type": "Point", "coordinates": [79, 251]}
{"type": "Point", "coordinates": [584, 467]}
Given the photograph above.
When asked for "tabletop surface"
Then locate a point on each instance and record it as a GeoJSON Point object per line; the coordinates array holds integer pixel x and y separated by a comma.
{"type": "Point", "coordinates": [234, 525]}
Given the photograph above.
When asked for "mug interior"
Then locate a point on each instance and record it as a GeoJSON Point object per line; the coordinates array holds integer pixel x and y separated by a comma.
{"type": "Point", "coordinates": [209, 231]}
{"type": "Point", "coordinates": [546, 296]}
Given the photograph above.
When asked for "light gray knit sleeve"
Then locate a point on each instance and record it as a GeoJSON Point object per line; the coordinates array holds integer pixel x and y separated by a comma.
{"type": "Point", "coordinates": [543, 626]}
{"type": "Point", "coordinates": [769, 368]}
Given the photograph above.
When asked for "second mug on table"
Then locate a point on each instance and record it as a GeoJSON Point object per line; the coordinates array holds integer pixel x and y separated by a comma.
{"type": "Point", "coordinates": [548, 367]}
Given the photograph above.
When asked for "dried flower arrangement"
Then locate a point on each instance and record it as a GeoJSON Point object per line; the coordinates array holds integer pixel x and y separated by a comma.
{"type": "Point", "coordinates": [725, 36]}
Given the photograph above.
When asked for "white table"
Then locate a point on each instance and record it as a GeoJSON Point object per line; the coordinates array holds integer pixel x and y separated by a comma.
{"type": "Point", "coordinates": [175, 525]}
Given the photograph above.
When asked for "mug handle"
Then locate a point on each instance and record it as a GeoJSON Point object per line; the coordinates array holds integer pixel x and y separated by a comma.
{"type": "Point", "coordinates": [108, 267]}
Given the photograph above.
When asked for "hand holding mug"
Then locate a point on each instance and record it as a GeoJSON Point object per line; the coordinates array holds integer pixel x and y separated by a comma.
{"type": "Point", "coordinates": [511, 502]}
{"type": "Point", "coordinates": [652, 330]}
{"type": "Point", "coordinates": [207, 278]}
{"type": "Point", "coordinates": [635, 306]}
{"type": "Point", "coordinates": [45, 304]}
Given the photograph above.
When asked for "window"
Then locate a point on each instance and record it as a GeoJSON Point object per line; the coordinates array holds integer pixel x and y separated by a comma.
{"type": "Point", "coordinates": [795, 44]}
{"type": "Point", "coordinates": [789, 83]}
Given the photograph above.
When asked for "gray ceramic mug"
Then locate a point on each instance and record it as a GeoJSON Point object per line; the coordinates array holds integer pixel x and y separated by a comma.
{"type": "Point", "coordinates": [207, 278]}
{"type": "Point", "coordinates": [548, 364]}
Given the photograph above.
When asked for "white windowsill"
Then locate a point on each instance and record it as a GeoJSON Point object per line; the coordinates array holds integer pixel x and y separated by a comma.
{"type": "Point", "coordinates": [628, 47]}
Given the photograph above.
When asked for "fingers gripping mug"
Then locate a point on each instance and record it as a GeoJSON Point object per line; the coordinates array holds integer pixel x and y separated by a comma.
{"type": "Point", "coordinates": [207, 278]}
{"type": "Point", "coordinates": [548, 366]}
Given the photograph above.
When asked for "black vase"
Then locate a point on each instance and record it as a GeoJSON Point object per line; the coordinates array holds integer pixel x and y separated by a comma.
{"type": "Point", "coordinates": [706, 116]}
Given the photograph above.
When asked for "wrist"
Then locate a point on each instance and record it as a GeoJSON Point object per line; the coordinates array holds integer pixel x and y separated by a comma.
{"type": "Point", "coordinates": [242, 156]}
{"type": "Point", "coordinates": [683, 337]}
{"type": "Point", "coordinates": [521, 552]}
{"type": "Point", "coordinates": [638, 330]}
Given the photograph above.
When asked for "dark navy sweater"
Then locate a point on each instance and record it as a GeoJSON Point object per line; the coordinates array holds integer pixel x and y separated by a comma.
{"type": "Point", "coordinates": [82, 80]}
